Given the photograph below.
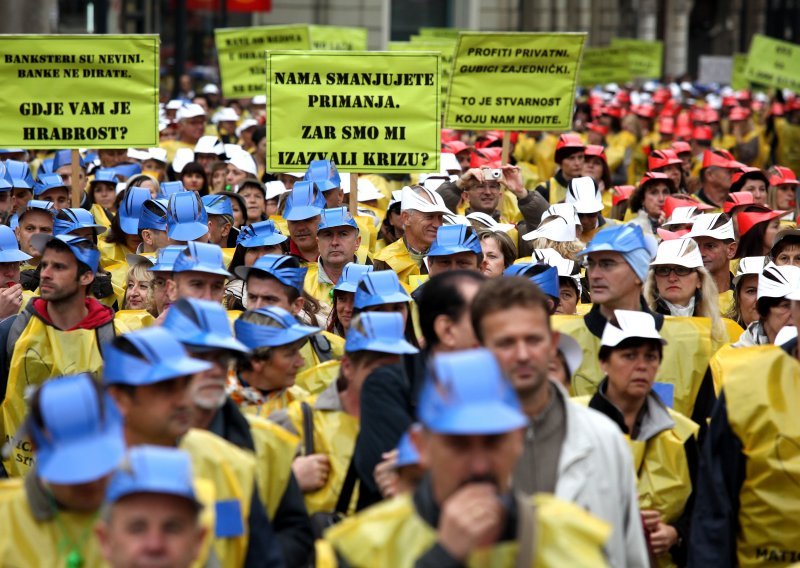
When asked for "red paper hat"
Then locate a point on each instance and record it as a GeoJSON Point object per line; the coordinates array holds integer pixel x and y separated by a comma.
{"type": "Point", "coordinates": [739, 113]}
{"type": "Point", "coordinates": [672, 235]}
{"type": "Point", "coordinates": [486, 140]}
{"type": "Point", "coordinates": [645, 111]}
{"type": "Point", "coordinates": [710, 115]}
{"type": "Point", "coordinates": [729, 101]}
{"type": "Point", "coordinates": [661, 96]}
{"type": "Point", "coordinates": [613, 110]}
{"type": "Point", "coordinates": [652, 177]}
{"type": "Point", "coordinates": [621, 193]}
{"type": "Point", "coordinates": [737, 199]}
{"type": "Point", "coordinates": [662, 158]}
{"type": "Point", "coordinates": [702, 133]}
{"type": "Point", "coordinates": [781, 174]}
{"type": "Point", "coordinates": [455, 146]}
{"type": "Point", "coordinates": [567, 144]}
{"type": "Point", "coordinates": [597, 127]}
{"type": "Point", "coordinates": [749, 219]}
{"type": "Point", "coordinates": [666, 125]}
{"type": "Point", "coordinates": [483, 157]}
{"type": "Point", "coordinates": [743, 96]}
{"type": "Point", "coordinates": [712, 159]}
{"type": "Point", "coordinates": [672, 202]}
{"type": "Point", "coordinates": [596, 150]}
{"type": "Point", "coordinates": [623, 97]}
{"type": "Point", "coordinates": [681, 148]}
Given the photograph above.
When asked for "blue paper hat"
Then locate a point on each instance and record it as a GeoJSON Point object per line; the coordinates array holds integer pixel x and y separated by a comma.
{"type": "Point", "coordinates": [453, 239]}
{"type": "Point", "coordinates": [407, 453]}
{"type": "Point", "coordinates": [200, 323]}
{"type": "Point", "coordinates": [9, 247]}
{"type": "Point", "coordinates": [35, 205]}
{"type": "Point", "coordinates": [283, 267]}
{"type": "Point", "coordinates": [261, 234]}
{"type": "Point", "coordinates": [4, 151]}
{"type": "Point", "coordinates": [283, 329]}
{"type": "Point", "coordinates": [378, 331]}
{"type": "Point", "coordinates": [543, 275]}
{"type": "Point", "coordinates": [200, 257]}
{"type": "Point", "coordinates": [130, 208]}
{"type": "Point", "coordinates": [127, 170]}
{"type": "Point", "coordinates": [104, 176]}
{"type": "Point", "coordinates": [166, 257]}
{"type": "Point", "coordinates": [324, 175]}
{"type": "Point", "coordinates": [301, 203]}
{"type": "Point", "coordinates": [352, 274]}
{"type": "Point", "coordinates": [5, 178]}
{"type": "Point", "coordinates": [379, 288]}
{"type": "Point", "coordinates": [187, 219]}
{"type": "Point", "coordinates": [68, 220]}
{"type": "Point", "coordinates": [168, 188]}
{"type": "Point", "coordinates": [336, 217]}
{"type": "Point", "coordinates": [83, 436]}
{"type": "Point", "coordinates": [163, 358]}
{"type": "Point", "coordinates": [153, 215]}
{"type": "Point", "coordinates": [617, 238]}
{"type": "Point", "coordinates": [20, 174]}
{"type": "Point", "coordinates": [154, 469]}
{"type": "Point", "coordinates": [465, 393]}
{"type": "Point", "coordinates": [47, 182]}
{"type": "Point", "coordinates": [46, 167]}
{"type": "Point", "coordinates": [87, 254]}
{"type": "Point", "coordinates": [64, 158]}
{"type": "Point", "coordinates": [218, 204]}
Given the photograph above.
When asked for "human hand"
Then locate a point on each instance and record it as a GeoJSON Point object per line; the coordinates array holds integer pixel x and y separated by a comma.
{"type": "Point", "coordinates": [471, 517]}
{"type": "Point", "coordinates": [311, 471]}
{"type": "Point", "coordinates": [385, 474]}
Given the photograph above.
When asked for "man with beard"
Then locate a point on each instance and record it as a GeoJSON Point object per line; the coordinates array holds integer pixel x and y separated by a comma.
{"type": "Point", "coordinates": [58, 332]}
{"type": "Point", "coordinates": [202, 327]}
{"type": "Point", "coordinates": [576, 453]}
{"type": "Point", "coordinates": [464, 511]}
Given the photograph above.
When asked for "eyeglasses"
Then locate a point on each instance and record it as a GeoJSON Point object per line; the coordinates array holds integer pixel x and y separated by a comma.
{"type": "Point", "coordinates": [605, 265]}
{"type": "Point", "coordinates": [664, 271]}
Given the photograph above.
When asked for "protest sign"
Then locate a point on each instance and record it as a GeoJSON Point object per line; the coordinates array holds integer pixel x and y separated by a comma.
{"type": "Point", "coordinates": [513, 81]}
{"type": "Point", "coordinates": [644, 57]}
{"type": "Point", "coordinates": [738, 80]}
{"type": "Point", "coordinates": [86, 91]}
{"type": "Point", "coordinates": [602, 65]}
{"type": "Point", "coordinates": [366, 111]}
{"type": "Point", "coordinates": [773, 62]}
{"type": "Point", "coordinates": [240, 52]}
{"type": "Point", "coordinates": [446, 48]}
{"type": "Point", "coordinates": [715, 69]}
{"type": "Point", "coordinates": [338, 38]}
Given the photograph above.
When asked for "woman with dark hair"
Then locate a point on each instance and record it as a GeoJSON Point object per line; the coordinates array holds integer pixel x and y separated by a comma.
{"type": "Point", "coordinates": [751, 180]}
{"type": "Point", "coordinates": [343, 296]}
{"type": "Point", "coordinates": [757, 230]}
{"type": "Point", "coordinates": [193, 177]}
{"type": "Point", "coordinates": [745, 291]}
{"type": "Point", "coordinates": [499, 252]}
{"type": "Point", "coordinates": [648, 199]}
{"type": "Point", "coordinates": [595, 165]}
{"type": "Point", "coordinates": [219, 172]}
{"type": "Point", "coordinates": [774, 309]}
{"type": "Point", "coordinates": [391, 227]}
{"type": "Point", "coordinates": [663, 442]}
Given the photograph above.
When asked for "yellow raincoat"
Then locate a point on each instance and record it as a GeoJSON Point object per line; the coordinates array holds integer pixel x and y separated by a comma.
{"type": "Point", "coordinates": [42, 352]}
{"type": "Point", "coordinates": [397, 257]}
{"type": "Point", "coordinates": [135, 319]}
{"type": "Point", "coordinates": [318, 378]}
{"type": "Point", "coordinates": [311, 357]}
{"type": "Point", "coordinates": [686, 356]}
{"type": "Point", "coordinates": [393, 534]}
{"type": "Point", "coordinates": [762, 386]}
{"type": "Point", "coordinates": [275, 449]}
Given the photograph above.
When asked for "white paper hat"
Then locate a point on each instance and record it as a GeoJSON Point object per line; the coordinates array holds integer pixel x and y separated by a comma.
{"type": "Point", "coordinates": [565, 210]}
{"type": "Point", "coordinates": [182, 157]}
{"type": "Point", "coordinates": [210, 89]}
{"type": "Point", "coordinates": [157, 154]}
{"type": "Point", "coordinates": [630, 324]}
{"type": "Point", "coordinates": [428, 201]}
{"type": "Point", "coordinates": [583, 194]}
{"type": "Point", "coordinates": [779, 282]}
{"type": "Point", "coordinates": [244, 161]}
{"type": "Point", "coordinates": [712, 225]}
{"type": "Point", "coordinates": [786, 334]}
{"type": "Point", "coordinates": [681, 216]}
{"type": "Point", "coordinates": [565, 267]}
{"type": "Point", "coordinates": [678, 252]}
{"type": "Point", "coordinates": [433, 181]}
{"type": "Point", "coordinates": [246, 123]}
{"type": "Point", "coordinates": [275, 189]}
{"type": "Point", "coordinates": [486, 221]}
{"type": "Point", "coordinates": [749, 265]}
{"type": "Point", "coordinates": [366, 189]}
{"type": "Point", "coordinates": [259, 100]}
{"type": "Point", "coordinates": [174, 104]}
{"type": "Point", "coordinates": [140, 155]}
{"type": "Point", "coordinates": [572, 352]}
{"type": "Point", "coordinates": [209, 145]}
{"type": "Point", "coordinates": [449, 162]}
{"type": "Point", "coordinates": [190, 110]}
{"type": "Point", "coordinates": [555, 228]}
{"type": "Point", "coordinates": [452, 219]}
{"type": "Point", "coordinates": [225, 114]}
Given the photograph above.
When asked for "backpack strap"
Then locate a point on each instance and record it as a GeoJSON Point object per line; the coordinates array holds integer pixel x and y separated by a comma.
{"type": "Point", "coordinates": [349, 485]}
{"type": "Point", "coordinates": [308, 429]}
{"type": "Point", "coordinates": [322, 347]}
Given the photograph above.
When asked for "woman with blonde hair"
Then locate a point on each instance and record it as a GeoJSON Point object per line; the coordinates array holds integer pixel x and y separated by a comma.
{"type": "Point", "coordinates": [678, 285]}
{"type": "Point", "coordinates": [139, 291]}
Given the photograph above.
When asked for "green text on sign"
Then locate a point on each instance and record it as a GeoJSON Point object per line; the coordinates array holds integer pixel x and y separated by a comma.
{"type": "Point", "coordinates": [514, 81]}
{"type": "Point", "coordinates": [240, 52]}
{"type": "Point", "coordinates": [644, 57]}
{"type": "Point", "coordinates": [366, 111]}
{"type": "Point", "coordinates": [773, 62]}
{"type": "Point", "coordinates": [64, 91]}
{"type": "Point", "coordinates": [601, 65]}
